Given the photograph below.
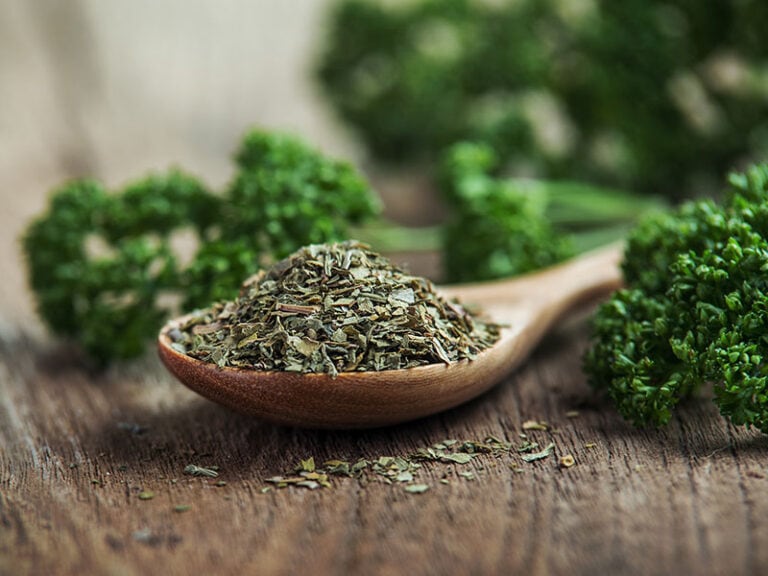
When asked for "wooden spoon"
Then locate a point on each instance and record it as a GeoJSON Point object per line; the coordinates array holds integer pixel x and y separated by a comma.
{"type": "Point", "coordinates": [528, 305]}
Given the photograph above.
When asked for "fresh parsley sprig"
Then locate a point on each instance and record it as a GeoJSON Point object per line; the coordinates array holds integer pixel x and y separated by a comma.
{"type": "Point", "coordinates": [694, 311]}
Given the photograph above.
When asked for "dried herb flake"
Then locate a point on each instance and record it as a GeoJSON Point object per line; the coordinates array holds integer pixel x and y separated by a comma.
{"type": "Point", "coordinates": [193, 470]}
{"type": "Point", "coordinates": [539, 455]}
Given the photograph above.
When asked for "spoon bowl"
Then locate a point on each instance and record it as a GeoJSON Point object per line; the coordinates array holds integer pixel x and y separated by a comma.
{"type": "Point", "coordinates": [528, 306]}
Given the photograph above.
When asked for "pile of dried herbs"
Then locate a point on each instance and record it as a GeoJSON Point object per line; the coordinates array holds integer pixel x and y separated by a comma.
{"type": "Point", "coordinates": [334, 308]}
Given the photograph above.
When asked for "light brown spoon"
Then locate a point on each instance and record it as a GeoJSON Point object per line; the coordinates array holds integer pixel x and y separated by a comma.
{"type": "Point", "coordinates": [528, 305]}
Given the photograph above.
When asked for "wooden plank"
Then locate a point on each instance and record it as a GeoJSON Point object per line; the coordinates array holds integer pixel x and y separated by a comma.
{"type": "Point", "coordinates": [78, 448]}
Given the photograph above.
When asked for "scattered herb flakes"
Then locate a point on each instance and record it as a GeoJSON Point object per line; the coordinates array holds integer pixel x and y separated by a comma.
{"type": "Point", "coordinates": [182, 508]}
{"type": "Point", "coordinates": [572, 414]}
{"type": "Point", "coordinates": [280, 481]}
{"type": "Point", "coordinates": [146, 495]}
{"type": "Point", "coordinates": [304, 479]}
{"type": "Point", "coordinates": [546, 452]}
{"type": "Point", "coordinates": [404, 477]}
{"type": "Point", "coordinates": [527, 446]}
{"type": "Point", "coordinates": [405, 470]}
{"type": "Point", "coordinates": [221, 483]}
{"type": "Point", "coordinates": [338, 468]}
{"type": "Point", "coordinates": [416, 488]}
{"type": "Point", "coordinates": [387, 469]}
{"type": "Point", "coordinates": [490, 445]}
{"type": "Point", "coordinates": [384, 461]}
{"type": "Point", "coordinates": [567, 461]}
{"type": "Point", "coordinates": [194, 470]}
{"type": "Point", "coordinates": [322, 479]}
{"type": "Point", "coordinates": [535, 425]}
{"type": "Point", "coordinates": [457, 457]}
{"type": "Point", "coordinates": [590, 445]}
{"type": "Point", "coordinates": [335, 308]}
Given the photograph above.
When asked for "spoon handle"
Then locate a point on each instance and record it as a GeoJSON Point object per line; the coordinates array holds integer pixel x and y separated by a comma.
{"type": "Point", "coordinates": [538, 299]}
{"type": "Point", "coordinates": [590, 274]}
{"type": "Point", "coordinates": [582, 279]}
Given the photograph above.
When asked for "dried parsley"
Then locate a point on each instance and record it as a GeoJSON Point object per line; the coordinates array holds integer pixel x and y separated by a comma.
{"type": "Point", "coordinates": [539, 455]}
{"type": "Point", "coordinates": [193, 470]}
{"type": "Point", "coordinates": [334, 308]}
{"type": "Point", "coordinates": [417, 488]}
{"type": "Point", "coordinates": [535, 425]}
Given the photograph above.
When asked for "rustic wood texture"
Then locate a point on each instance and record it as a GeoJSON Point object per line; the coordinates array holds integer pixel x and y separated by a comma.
{"type": "Point", "coordinates": [78, 448]}
{"type": "Point", "coordinates": [111, 90]}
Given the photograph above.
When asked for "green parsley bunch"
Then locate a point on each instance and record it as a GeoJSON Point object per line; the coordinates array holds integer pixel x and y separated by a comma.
{"type": "Point", "coordinates": [500, 226]}
{"type": "Point", "coordinates": [104, 266]}
{"type": "Point", "coordinates": [694, 310]}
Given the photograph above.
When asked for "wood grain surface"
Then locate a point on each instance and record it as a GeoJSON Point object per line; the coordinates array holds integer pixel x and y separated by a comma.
{"type": "Point", "coordinates": [79, 448]}
{"type": "Point", "coordinates": [99, 89]}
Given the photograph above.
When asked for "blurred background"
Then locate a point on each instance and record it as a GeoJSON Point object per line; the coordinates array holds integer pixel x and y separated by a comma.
{"type": "Point", "coordinates": [114, 90]}
{"type": "Point", "coordinates": [660, 98]}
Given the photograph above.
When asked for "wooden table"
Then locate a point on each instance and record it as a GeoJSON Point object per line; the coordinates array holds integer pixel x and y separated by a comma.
{"type": "Point", "coordinates": [80, 451]}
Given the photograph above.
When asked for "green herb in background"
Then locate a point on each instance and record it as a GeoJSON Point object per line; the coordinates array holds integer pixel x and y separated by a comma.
{"type": "Point", "coordinates": [695, 310]}
{"type": "Point", "coordinates": [102, 264]}
{"type": "Point", "coordinates": [659, 96]}
{"type": "Point", "coordinates": [495, 229]}
{"type": "Point", "coordinates": [98, 263]}
{"type": "Point", "coordinates": [334, 308]}
{"type": "Point", "coordinates": [500, 227]}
